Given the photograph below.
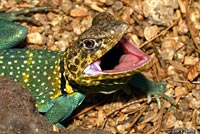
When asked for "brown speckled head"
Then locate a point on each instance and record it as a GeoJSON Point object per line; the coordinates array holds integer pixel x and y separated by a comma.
{"type": "Point", "coordinates": [83, 59]}
{"type": "Point", "coordinates": [92, 44]}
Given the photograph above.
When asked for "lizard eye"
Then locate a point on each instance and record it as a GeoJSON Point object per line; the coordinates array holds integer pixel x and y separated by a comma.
{"type": "Point", "coordinates": [91, 44]}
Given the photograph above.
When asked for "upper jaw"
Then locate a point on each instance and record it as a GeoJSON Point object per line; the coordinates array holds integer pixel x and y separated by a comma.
{"type": "Point", "coordinates": [131, 58]}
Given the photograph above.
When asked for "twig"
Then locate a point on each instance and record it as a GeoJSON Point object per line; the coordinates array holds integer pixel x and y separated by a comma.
{"type": "Point", "coordinates": [190, 26]}
{"type": "Point", "coordinates": [116, 111]}
{"type": "Point", "coordinates": [161, 33]}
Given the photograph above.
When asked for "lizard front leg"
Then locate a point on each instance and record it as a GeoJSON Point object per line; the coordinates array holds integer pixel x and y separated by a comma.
{"type": "Point", "coordinates": [156, 89]}
{"type": "Point", "coordinates": [63, 107]}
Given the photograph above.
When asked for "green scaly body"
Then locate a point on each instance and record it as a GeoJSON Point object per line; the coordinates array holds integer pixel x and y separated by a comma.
{"type": "Point", "coordinates": [34, 72]}
{"type": "Point", "coordinates": [60, 80]}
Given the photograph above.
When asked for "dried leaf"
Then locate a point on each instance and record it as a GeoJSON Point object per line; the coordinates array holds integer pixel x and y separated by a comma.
{"type": "Point", "coordinates": [101, 117]}
{"type": "Point", "coordinates": [194, 71]}
{"type": "Point", "coordinates": [178, 66]}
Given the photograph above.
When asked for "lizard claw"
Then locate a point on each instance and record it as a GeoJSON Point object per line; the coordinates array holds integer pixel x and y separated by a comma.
{"type": "Point", "coordinates": [15, 15]}
{"type": "Point", "coordinates": [155, 89]}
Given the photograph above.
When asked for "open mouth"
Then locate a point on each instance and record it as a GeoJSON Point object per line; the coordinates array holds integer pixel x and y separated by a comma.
{"type": "Point", "coordinates": [124, 57]}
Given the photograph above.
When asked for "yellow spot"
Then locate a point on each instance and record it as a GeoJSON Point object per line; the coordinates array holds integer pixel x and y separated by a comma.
{"type": "Point", "coordinates": [55, 94]}
{"type": "Point", "coordinates": [69, 89]}
{"type": "Point", "coordinates": [54, 72]}
{"type": "Point", "coordinates": [30, 54]}
{"type": "Point", "coordinates": [55, 82]}
{"type": "Point", "coordinates": [30, 59]}
{"type": "Point", "coordinates": [26, 77]}
{"type": "Point", "coordinates": [50, 93]}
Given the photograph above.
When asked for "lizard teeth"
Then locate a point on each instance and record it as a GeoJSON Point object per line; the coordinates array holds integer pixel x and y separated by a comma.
{"type": "Point", "coordinates": [93, 68]}
{"type": "Point", "coordinates": [86, 69]}
{"type": "Point", "coordinates": [95, 65]}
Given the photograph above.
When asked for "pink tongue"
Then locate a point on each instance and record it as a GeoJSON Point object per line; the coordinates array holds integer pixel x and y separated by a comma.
{"type": "Point", "coordinates": [126, 62]}
{"type": "Point", "coordinates": [128, 58]}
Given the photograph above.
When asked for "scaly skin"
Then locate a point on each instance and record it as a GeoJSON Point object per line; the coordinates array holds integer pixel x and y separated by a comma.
{"type": "Point", "coordinates": [60, 80]}
{"type": "Point", "coordinates": [17, 33]}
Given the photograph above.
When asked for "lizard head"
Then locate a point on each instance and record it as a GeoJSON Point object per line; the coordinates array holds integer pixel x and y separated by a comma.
{"type": "Point", "coordinates": [102, 60]}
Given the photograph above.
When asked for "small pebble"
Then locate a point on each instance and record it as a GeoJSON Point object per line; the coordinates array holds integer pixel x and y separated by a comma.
{"type": "Point", "coordinates": [97, 8]}
{"type": "Point", "coordinates": [109, 2]}
{"type": "Point", "coordinates": [79, 12]}
{"type": "Point", "coordinates": [35, 38]}
{"type": "Point", "coordinates": [160, 12]}
{"type": "Point", "coordinates": [180, 91]}
{"type": "Point", "coordinates": [168, 49]}
{"type": "Point", "coordinates": [150, 32]}
{"type": "Point", "coordinates": [117, 5]}
{"type": "Point", "coordinates": [182, 28]}
{"type": "Point", "coordinates": [190, 60]}
{"type": "Point", "coordinates": [171, 70]}
{"type": "Point", "coordinates": [66, 7]}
